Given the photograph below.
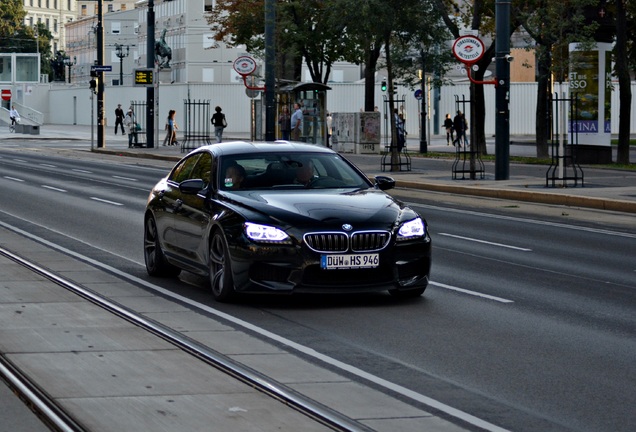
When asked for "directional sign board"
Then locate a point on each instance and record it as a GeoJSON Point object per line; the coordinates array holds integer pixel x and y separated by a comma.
{"type": "Point", "coordinates": [102, 68]}
{"type": "Point", "coordinates": [144, 78]}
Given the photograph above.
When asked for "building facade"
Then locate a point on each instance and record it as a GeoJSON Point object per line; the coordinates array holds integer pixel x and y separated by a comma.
{"type": "Point", "coordinates": [54, 14]}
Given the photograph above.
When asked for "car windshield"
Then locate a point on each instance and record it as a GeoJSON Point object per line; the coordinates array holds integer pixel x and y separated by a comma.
{"type": "Point", "coordinates": [288, 171]}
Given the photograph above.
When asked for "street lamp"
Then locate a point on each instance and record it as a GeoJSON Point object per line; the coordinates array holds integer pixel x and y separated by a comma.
{"type": "Point", "coordinates": [68, 63]}
{"type": "Point", "coordinates": [119, 52]}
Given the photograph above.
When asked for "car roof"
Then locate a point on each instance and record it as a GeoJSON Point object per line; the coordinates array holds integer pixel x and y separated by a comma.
{"type": "Point", "coordinates": [245, 147]}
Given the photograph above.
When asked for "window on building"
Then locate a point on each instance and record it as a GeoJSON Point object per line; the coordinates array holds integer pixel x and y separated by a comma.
{"type": "Point", "coordinates": [110, 7]}
{"type": "Point", "coordinates": [68, 4]}
{"type": "Point", "coordinates": [208, 5]}
{"type": "Point", "coordinates": [48, 24]}
{"type": "Point", "coordinates": [123, 6]}
{"type": "Point", "coordinates": [55, 4]}
{"type": "Point", "coordinates": [39, 3]}
{"type": "Point", "coordinates": [55, 25]}
{"type": "Point", "coordinates": [48, 4]}
{"type": "Point", "coordinates": [115, 27]}
{"type": "Point", "coordinates": [84, 11]}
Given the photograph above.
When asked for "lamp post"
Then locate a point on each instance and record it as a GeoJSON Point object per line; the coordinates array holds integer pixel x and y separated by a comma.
{"type": "Point", "coordinates": [119, 52]}
{"type": "Point", "coordinates": [68, 63]}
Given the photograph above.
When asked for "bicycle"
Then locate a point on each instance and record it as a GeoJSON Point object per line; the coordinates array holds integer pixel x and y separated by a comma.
{"type": "Point", "coordinates": [13, 124]}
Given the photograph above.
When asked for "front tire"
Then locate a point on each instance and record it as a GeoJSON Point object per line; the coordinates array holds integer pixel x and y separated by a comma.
{"type": "Point", "coordinates": [156, 263]}
{"type": "Point", "coordinates": [221, 281]}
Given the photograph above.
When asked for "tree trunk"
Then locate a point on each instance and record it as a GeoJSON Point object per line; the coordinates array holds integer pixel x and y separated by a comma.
{"type": "Point", "coordinates": [543, 111]}
{"type": "Point", "coordinates": [370, 64]}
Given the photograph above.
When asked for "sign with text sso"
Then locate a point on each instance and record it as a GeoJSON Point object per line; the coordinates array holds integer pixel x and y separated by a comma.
{"type": "Point", "coordinates": [143, 78]}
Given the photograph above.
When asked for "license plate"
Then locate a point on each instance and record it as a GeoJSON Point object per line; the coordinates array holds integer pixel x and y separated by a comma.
{"type": "Point", "coordinates": [349, 261]}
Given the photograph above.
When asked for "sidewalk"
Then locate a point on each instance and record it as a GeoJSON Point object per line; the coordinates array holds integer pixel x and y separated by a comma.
{"type": "Point", "coordinates": [603, 189]}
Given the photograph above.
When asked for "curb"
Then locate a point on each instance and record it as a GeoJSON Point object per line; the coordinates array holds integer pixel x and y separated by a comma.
{"type": "Point", "coordinates": [519, 195]}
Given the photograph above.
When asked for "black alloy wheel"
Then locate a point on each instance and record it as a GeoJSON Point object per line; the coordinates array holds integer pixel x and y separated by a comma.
{"type": "Point", "coordinates": [156, 264]}
{"type": "Point", "coordinates": [221, 281]}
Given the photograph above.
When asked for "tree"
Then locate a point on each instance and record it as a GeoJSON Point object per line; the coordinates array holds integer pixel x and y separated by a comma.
{"type": "Point", "coordinates": [12, 15]}
{"type": "Point", "coordinates": [307, 30]}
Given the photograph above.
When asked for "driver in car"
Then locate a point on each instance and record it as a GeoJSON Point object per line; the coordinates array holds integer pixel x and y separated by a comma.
{"type": "Point", "coordinates": [305, 173]}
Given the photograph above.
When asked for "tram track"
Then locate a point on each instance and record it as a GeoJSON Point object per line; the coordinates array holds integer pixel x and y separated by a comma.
{"type": "Point", "coordinates": [58, 419]}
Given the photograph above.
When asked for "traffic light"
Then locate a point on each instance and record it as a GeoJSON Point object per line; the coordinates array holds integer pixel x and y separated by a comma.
{"type": "Point", "coordinates": [383, 85]}
{"type": "Point", "coordinates": [93, 82]}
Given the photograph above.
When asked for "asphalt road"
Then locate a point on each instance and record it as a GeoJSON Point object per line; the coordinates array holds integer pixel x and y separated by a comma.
{"type": "Point", "coordinates": [528, 323]}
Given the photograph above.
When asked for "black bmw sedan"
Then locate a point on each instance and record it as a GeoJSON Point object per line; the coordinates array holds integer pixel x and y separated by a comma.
{"type": "Point", "coordinates": [283, 218]}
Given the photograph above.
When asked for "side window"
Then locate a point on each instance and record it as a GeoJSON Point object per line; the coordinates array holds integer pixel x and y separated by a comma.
{"type": "Point", "coordinates": [202, 169]}
{"type": "Point", "coordinates": [184, 170]}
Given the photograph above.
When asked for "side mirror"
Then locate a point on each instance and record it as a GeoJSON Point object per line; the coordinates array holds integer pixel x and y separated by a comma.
{"type": "Point", "coordinates": [384, 182]}
{"type": "Point", "coordinates": [192, 187]}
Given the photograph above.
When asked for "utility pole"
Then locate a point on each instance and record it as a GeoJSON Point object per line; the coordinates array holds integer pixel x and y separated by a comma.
{"type": "Point", "coordinates": [423, 140]}
{"type": "Point", "coordinates": [100, 75]}
{"type": "Point", "coordinates": [119, 52]}
{"type": "Point", "coordinates": [270, 71]}
{"type": "Point", "coordinates": [150, 64]}
{"type": "Point", "coordinates": [502, 90]}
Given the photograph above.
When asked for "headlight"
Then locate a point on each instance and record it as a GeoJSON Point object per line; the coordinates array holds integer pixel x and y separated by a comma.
{"type": "Point", "coordinates": [412, 229]}
{"type": "Point", "coordinates": [265, 234]}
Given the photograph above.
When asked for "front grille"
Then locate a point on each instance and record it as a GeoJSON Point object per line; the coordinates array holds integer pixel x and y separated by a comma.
{"type": "Point", "coordinates": [327, 242]}
{"type": "Point", "coordinates": [367, 241]}
{"type": "Point", "coordinates": [340, 242]}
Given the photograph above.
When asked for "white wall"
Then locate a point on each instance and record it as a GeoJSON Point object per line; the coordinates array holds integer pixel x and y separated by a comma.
{"type": "Point", "coordinates": [62, 104]}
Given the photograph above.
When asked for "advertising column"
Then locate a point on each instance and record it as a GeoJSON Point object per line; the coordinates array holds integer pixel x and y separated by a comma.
{"type": "Point", "coordinates": [590, 81]}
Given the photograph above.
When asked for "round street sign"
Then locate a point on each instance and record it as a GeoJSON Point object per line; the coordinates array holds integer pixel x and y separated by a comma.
{"type": "Point", "coordinates": [468, 49]}
{"type": "Point", "coordinates": [6, 94]}
{"type": "Point", "coordinates": [244, 65]}
{"type": "Point", "coordinates": [418, 94]}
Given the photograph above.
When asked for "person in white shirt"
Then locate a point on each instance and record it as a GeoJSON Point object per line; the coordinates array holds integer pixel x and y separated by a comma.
{"type": "Point", "coordinates": [14, 115]}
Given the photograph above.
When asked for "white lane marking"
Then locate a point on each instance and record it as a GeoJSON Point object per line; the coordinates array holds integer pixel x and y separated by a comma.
{"type": "Point", "coordinates": [106, 201]}
{"type": "Point", "coordinates": [524, 220]}
{"type": "Point", "coordinates": [14, 179]}
{"type": "Point", "coordinates": [53, 188]}
{"type": "Point", "coordinates": [19, 160]}
{"type": "Point", "coordinates": [433, 403]}
{"type": "Point", "coordinates": [82, 171]}
{"type": "Point", "coordinates": [485, 242]}
{"type": "Point", "coordinates": [48, 166]}
{"type": "Point", "coordinates": [125, 178]}
{"type": "Point", "coordinates": [472, 293]}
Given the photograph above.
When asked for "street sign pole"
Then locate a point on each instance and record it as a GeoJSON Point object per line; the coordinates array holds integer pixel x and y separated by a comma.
{"type": "Point", "coordinates": [150, 90]}
{"type": "Point", "coordinates": [101, 139]}
{"type": "Point", "coordinates": [502, 91]}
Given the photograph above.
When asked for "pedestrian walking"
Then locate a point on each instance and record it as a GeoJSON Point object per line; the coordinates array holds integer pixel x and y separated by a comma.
{"type": "Point", "coordinates": [450, 134]}
{"type": "Point", "coordinates": [219, 122]}
{"type": "Point", "coordinates": [119, 119]}
{"type": "Point", "coordinates": [459, 124]}
{"type": "Point", "coordinates": [171, 129]}
{"type": "Point", "coordinates": [296, 122]}
{"type": "Point", "coordinates": [284, 122]}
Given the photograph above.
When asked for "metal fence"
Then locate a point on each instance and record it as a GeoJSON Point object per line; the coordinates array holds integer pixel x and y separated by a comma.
{"type": "Point", "coordinates": [196, 124]}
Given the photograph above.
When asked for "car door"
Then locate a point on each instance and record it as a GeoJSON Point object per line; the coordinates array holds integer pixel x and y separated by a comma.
{"type": "Point", "coordinates": [171, 201]}
{"type": "Point", "coordinates": [191, 218]}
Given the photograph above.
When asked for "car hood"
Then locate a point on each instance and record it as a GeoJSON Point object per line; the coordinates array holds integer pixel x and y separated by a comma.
{"type": "Point", "coordinates": [360, 208]}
